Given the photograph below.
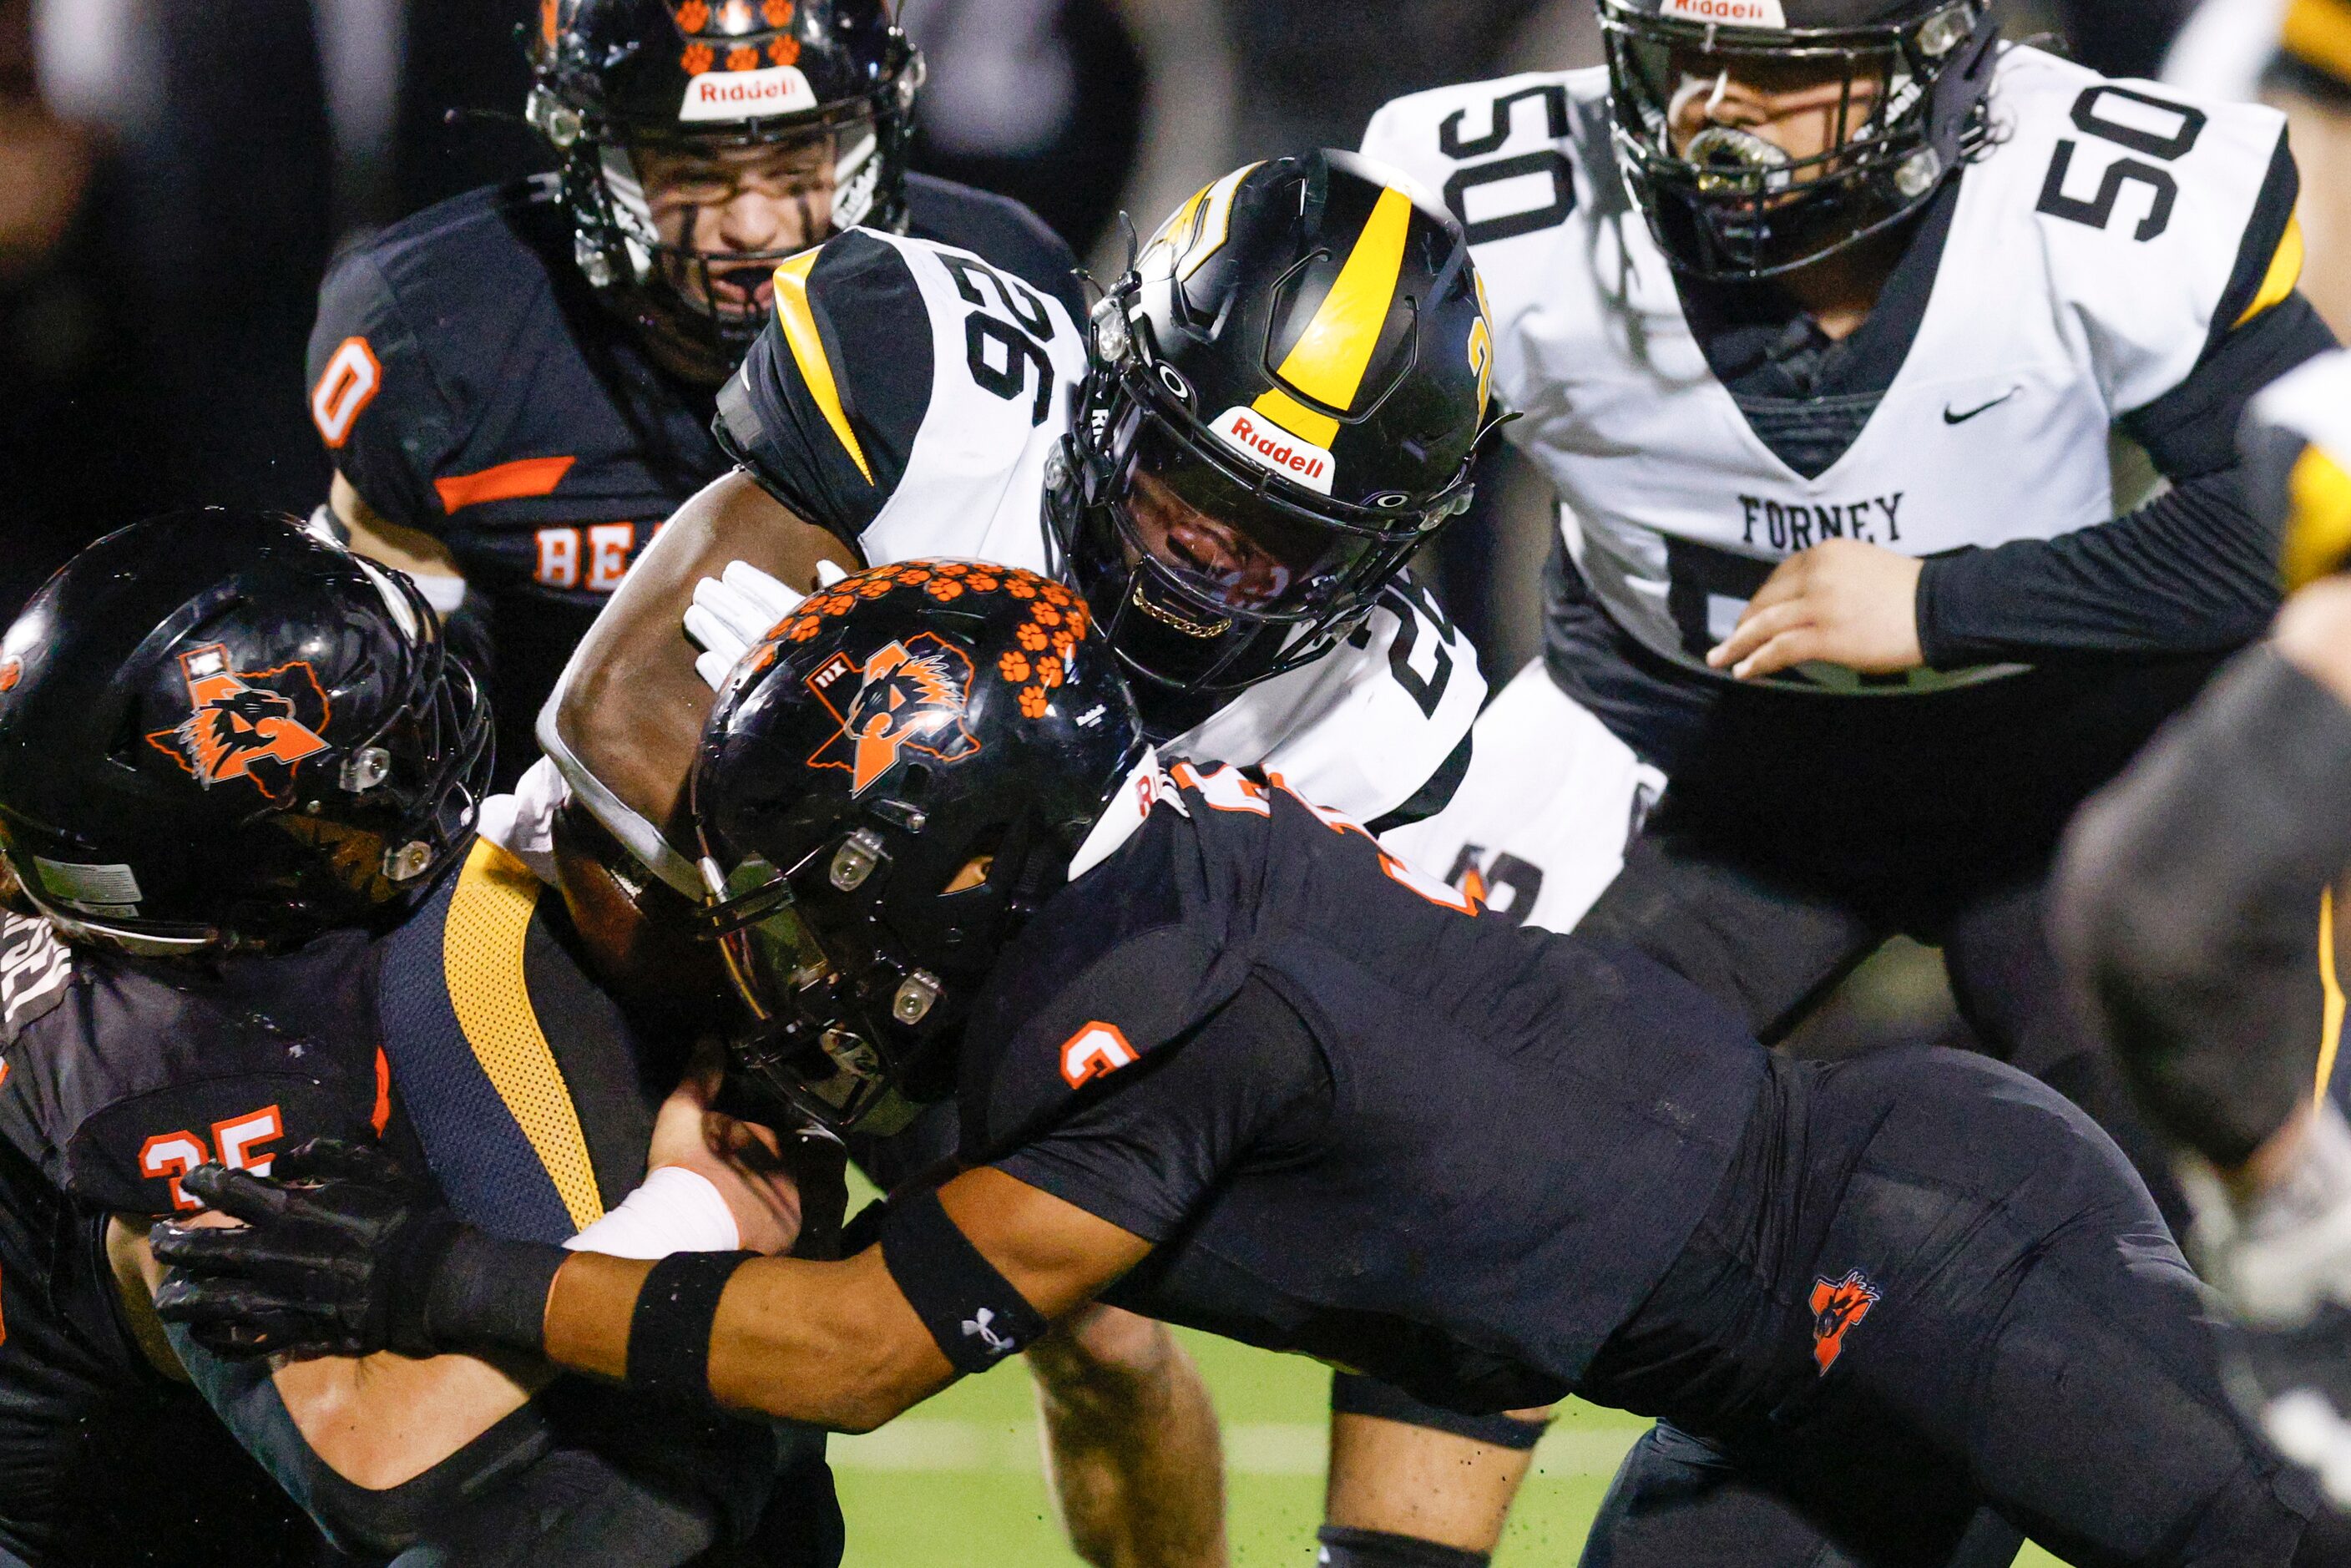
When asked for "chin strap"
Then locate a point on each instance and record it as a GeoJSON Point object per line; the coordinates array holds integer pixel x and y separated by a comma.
{"type": "Point", "coordinates": [636, 834]}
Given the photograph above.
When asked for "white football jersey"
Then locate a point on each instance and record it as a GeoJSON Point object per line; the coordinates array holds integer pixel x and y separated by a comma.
{"type": "Point", "coordinates": [908, 396]}
{"type": "Point", "coordinates": [2090, 248]}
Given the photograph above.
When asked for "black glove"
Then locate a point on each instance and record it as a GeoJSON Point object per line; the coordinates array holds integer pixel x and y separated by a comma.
{"type": "Point", "coordinates": [340, 1255]}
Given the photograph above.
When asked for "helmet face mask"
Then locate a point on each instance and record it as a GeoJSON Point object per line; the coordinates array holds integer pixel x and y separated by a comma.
{"type": "Point", "coordinates": [1882, 112]}
{"type": "Point", "coordinates": [889, 787]}
{"type": "Point", "coordinates": [1285, 399]}
{"type": "Point", "coordinates": [626, 86]}
{"type": "Point", "coordinates": [291, 750]}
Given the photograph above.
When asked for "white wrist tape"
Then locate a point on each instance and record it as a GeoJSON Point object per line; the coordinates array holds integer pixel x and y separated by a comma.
{"type": "Point", "coordinates": [676, 1210]}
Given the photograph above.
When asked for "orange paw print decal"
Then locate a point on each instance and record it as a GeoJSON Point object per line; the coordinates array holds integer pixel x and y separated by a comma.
{"type": "Point", "coordinates": [943, 589]}
{"type": "Point", "coordinates": [693, 17]}
{"type": "Point", "coordinates": [784, 52]}
{"type": "Point", "coordinates": [778, 13]}
{"type": "Point", "coordinates": [697, 59]}
{"type": "Point", "coordinates": [1049, 672]}
{"type": "Point", "coordinates": [1033, 704]}
{"type": "Point", "coordinates": [743, 60]}
{"type": "Point", "coordinates": [1021, 588]}
{"type": "Point", "coordinates": [1033, 637]}
{"type": "Point", "coordinates": [1014, 666]}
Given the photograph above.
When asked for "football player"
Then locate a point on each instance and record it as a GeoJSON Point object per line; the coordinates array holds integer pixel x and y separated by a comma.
{"type": "Point", "coordinates": [514, 385]}
{"type": "Point", "coordinates": [2186, 909]}
{"type": "Point", "coordinates": [1275, 408]}
{"type": "Point", "coordinates": [1856, 343]}
{"type": "Point", "coordinates": [1223, 1059]}
{"type": "Point", "coordinates": [237, 776]}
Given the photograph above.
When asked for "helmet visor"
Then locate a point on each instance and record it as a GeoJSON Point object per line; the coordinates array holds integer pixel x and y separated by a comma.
{"type": "Point", "coordinates": [1234, 542]}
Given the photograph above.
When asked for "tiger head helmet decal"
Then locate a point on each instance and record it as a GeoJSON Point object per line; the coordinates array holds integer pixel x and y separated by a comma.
{"type": "Point", "coordinates": [912, 697]}
{"type": "Point", "coordinates": [249, 724]}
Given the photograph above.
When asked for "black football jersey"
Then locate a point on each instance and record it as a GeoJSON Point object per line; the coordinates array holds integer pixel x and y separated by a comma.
{"type": "Point", "coordinates": [468, 1039]}
{"type": "Point", "coordinates": [468, 383]}
{"type": "Point", "coordinates": [1357, 1116]}
{"type": "Point", "coordinates": [116, 1078]}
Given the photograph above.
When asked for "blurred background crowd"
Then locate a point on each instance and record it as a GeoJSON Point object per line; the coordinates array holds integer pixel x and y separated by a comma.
{"type": "Point", "coordinates": [176, 175]}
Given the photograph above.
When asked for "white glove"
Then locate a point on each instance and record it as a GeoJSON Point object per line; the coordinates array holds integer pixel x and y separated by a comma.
{"type": "Point", "coordinates": [733, 612]}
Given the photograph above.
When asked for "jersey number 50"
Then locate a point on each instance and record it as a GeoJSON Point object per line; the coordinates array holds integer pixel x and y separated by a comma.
{"type": "Point", "coordinates": [2165, 131]}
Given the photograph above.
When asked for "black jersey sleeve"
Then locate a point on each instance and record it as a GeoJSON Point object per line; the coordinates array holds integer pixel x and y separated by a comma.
{"type": "Point", "coordinates": [1251, 1082]}
{"type": "Point", "coordinates": [386, 419]}
{"type": "Point", "coordinates": [825, 411]}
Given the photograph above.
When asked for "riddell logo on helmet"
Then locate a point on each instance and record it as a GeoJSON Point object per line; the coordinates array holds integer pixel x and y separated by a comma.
{"type": "Point", "coordinates": [1728, 13]}
{"type": "Point", "coordinates": [747, 95]}
{"type": "Point", "coordinates": [1269, 445]}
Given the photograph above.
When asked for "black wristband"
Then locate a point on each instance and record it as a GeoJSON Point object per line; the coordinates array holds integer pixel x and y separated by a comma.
{"type": "Point", "coordinates": [973, 1313]}
{"type": "Point", "coordinates": [485, 1292]}
{"type": "Point", "coordinates": [1345, 1548]}
{"type": "Point", "coordinates": [669, 1333]}
{"type": "Point", "coordinates": [1353, 1394]}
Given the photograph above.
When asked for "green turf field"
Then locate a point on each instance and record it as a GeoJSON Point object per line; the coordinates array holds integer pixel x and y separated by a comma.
{"type": "Point", "coordinates": [958, 1484]}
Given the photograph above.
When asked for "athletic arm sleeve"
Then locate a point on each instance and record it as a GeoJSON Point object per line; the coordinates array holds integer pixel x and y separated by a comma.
{"type": "Point", "coordinates": [2192, 572]}
{"type": "Point", "coordinates": [1161, 1134]}
{"type": "Point", "coordinates": [2187, 900]}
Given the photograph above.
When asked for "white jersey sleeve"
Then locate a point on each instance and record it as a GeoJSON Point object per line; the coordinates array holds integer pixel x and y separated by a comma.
{"type": "Point", "coordinates": [1362, 729]}
{"type": "Point", "coordinates": [905, 396]}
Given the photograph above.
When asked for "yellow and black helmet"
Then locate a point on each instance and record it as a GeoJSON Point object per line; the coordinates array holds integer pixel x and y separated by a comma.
{"type": "Point", "coordinates": [1286, 394]}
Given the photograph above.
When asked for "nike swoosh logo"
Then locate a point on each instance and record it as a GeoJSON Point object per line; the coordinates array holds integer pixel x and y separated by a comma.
{"type": "Point", "coordinates": [1950, 418]}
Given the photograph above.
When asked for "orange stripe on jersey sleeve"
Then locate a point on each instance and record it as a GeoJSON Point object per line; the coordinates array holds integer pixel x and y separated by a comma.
{"type": "Point", "coordinates": [517, 481]}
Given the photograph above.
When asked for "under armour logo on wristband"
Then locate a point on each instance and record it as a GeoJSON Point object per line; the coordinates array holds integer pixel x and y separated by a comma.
{"type": "Point", "coordinates": [978, 1324]}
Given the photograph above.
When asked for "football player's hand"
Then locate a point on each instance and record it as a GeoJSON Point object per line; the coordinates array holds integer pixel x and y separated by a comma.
{"type": "Point", "coordinates": [337, 1256]}
{"type": "Point", "coordinates": [733, 612]}
{"type": "Point", "coordinates": [786, 1193]}
{"type": "Point", "coordinates": [1843, 603]}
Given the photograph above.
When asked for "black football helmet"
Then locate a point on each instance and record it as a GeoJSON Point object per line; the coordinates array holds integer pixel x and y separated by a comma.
{"type": "Point", "coordinates": [900, 726]}
{"type": "Point", "coordinates": [219, 733]}
{"type": "Point", "coordinates": [1911, 110]}
{"type": "Point", "coordinates": [612, 75]}
{"type": "Point", "coordinates": [1285, 396]}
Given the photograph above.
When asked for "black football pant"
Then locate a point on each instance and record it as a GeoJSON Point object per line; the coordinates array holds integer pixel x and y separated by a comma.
{"type": "Point", "coordinates": [1772, 947]}
{"type": "Point", "coordinates": [1927, 1288]}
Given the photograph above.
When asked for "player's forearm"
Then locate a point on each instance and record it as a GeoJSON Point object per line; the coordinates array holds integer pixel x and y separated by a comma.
{"type": "Point", "coordinates": [2192, 572]}
{"type": "Point", "coordinates": [2188, 902]}
{"type": "Point", "coordinates": [831, 1345]}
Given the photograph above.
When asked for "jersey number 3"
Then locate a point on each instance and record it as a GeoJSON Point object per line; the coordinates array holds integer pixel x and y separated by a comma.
{"type": "Point", "coordinates": [171, 1156]}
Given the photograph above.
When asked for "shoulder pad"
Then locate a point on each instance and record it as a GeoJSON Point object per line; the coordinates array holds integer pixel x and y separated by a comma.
{"type": "Point", "coordinates": [36, 971]}
{"type": "Point", "coordinates": [896, 366]}
{"type": "Point", "coordinates": [1364, 727]}
{"type": "Point", "coordinates": [2148, 204]}
{"type": "Point", "coordinates": [407, 324]}
{"type": "Point", "coordinates": [999, 228]}
{"type": "Point", "coordinates": [1126, 960]}
{"type": "Point", "coordinates": [1504, 155]}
